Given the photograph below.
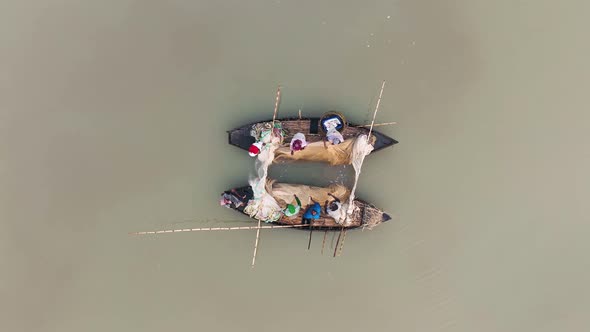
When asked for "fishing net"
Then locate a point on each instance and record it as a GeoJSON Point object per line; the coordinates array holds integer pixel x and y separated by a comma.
{"type": "Point", "coordinates": [360, 150]}
{"type": "Point", "coordinates": [262, 132]}
{"type": "Point", "coordinates": [283, 193]}
{"type": "Point", "coordinates": [339, 154]}
{"type": "Point", "coordinates": [263, 206]}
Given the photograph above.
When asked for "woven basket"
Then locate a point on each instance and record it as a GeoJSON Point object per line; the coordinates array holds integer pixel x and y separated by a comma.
{"type": "Point", "coordinates": [329, 114]}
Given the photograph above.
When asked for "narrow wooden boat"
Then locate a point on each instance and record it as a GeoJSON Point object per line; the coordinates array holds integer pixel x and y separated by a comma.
{"type": "Point", "coordinates": [316, 149]}
{"type": "Point", "coordinates": [363, 214]}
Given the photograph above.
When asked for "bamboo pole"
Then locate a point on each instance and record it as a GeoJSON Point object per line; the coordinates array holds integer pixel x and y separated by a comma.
{"type": "Point", "coordinates": [256, 244]}
{"type": "Point", "coordinates": [324, 241]}
{"type": "Point", "coordinates": [274, 115]}
{"type": "Point", "coordinates": [310, 233]}
{"type": "Point", "coordinates": [338, 241]}
{"type": "Point", "coordinates": [203, 229]}
{"type": "Point", "coordinates": [342, 243]}
{"type": "Point", "coordinates": [378, 124]}
{"type": "Point", "coordinates": [332, 241]}
{"type": "Point", "coordinates": [376, 109]}
{"type": "Point", "coordinates": [309, 200]}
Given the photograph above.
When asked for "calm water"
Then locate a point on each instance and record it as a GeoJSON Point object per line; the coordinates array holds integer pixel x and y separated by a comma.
{"type": "Point", "coordinates": [113, 117]}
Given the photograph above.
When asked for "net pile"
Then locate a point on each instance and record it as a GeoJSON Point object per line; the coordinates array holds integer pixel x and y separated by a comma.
{"type": "Point", "coordinates": [361, 149]}
{"type": "Point", "coordinates": [263, 206]}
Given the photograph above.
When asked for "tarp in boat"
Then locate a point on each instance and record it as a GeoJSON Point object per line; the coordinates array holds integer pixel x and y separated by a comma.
{"type": "Point", "coordinates": [283, 193]}
{"type": "Point", "coordinates": [339, 154]}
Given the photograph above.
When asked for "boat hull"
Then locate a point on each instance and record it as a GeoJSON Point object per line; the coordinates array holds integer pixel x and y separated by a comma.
{"type": "Point", "coordinates": [241, 138]}
{"type": "Point", "coordinates": [366, 215]}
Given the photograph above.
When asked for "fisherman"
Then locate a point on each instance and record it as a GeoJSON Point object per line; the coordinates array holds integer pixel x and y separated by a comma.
{"type": "Point", "coordinates": [331, 125]}
{"type": "Point", "coordinates": [293, 210]}
{"type": "Point", "coordinates": [334, 137]}
{"type": "Point", "coordinates": [333, 208]}
{"type": "Point", "coordinates": [313, 212]}
{"type": "Point", "coordinates": [255, 148]}
{"type": "Point", "coordinates": [298, 142]}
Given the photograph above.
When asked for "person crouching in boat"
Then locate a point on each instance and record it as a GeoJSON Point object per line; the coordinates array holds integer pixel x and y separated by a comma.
{"type": "Point", "coordinates": [254, 149]}
{"type": "Point", "coordinates": [312, 213]}
{"type": "Point", "coordinates": [298, 142]}
{"type": "Point", "coordinates": [331, 125]}
{"type": "Point", "coordinates": [293, 209]}
{"type": "Point", "coordinates": [333, 208]}
{"type": "Point", "coordinates": [334, 137]}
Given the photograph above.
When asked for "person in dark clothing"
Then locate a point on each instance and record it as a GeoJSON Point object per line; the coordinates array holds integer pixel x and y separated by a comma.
{"type": "Point", "coordinates": [333, 208]}
{"type": "Point", "coordinates": [333, 205]}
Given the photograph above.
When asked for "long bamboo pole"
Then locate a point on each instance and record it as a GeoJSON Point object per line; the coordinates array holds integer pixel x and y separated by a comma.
{"type": "Point", "coordinates": [256, 243]}
{"type": "Point", "coordinates": [204, 229]}
{"type": "Point", "coordinates": [376, 109]}
{"type": "Point", "coordinates": [274, 115]}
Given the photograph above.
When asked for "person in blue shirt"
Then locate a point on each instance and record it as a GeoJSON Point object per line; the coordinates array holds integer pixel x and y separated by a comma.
{"type": "Point", "coordinates": [312, 213]}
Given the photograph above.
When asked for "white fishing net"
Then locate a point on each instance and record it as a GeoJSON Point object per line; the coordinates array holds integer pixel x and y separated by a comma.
{"type": "Point", "coordinates": [360, 150]}
{"type": "Point", "coordinates": [263, 206]}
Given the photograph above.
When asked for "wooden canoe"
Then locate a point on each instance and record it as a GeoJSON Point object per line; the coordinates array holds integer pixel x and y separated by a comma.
{"type": "Point", "coordinates": [366, 215]}
{"type": "Point", "coordinates": [241, 138]}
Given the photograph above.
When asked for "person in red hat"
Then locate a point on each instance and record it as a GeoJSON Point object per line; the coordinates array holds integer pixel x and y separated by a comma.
{"type": "Point", "coordinates": [254, 149]}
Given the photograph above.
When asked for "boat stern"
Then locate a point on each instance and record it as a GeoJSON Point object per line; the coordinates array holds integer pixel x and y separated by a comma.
{"type": "Point", "coordinates": [236, 198]}
{"type": "Point", "coordinates": [241, 137]}
{"type": "Point", "coordinates": [385, 217]}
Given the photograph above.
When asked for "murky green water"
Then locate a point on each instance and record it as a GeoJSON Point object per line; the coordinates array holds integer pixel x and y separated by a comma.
{"type": "Point", "coordinates": [113, 117]}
